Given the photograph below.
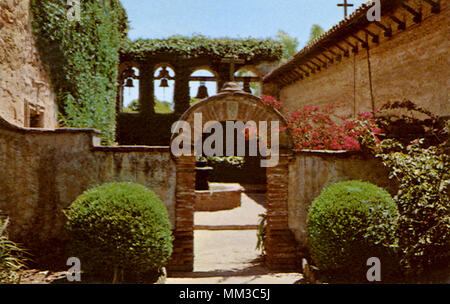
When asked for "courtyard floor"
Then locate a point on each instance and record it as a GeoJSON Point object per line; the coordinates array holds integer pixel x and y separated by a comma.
{"type": "Point", "coordinates": [224, 248]}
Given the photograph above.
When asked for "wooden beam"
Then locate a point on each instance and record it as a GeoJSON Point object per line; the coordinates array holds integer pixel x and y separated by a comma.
{"type": "Point", "coordinates": [331, 60]}
{"type": "Point", "coordinates": [387, 30]}
{"type": "Point", "coordinates": [435, 6]}
{"type": "Point", "coordinates": [363, 43]}
{"type": "Point", "coordinates": [312, 70]}
{"type": "Point", "coordinates": [346, 52]}
{"type": "Point", "coordinates": [297, 74]}
{"type": "Point", "coordinates": [401, 24]}
{"type": "Point", "coordinates": [354, 47]}
{"type": "Point", "coordinates": [375, 38]}
{"type": "Point", "coordinates": [417, 15]}
{"type": "Point", "coordinates": [300, 71]}
{"type": "Point", "coordinates": [330, 51]}
{"type": "Point", "coordinates": [321, 61]}
{"type": "Point", "coordinates": [316, 65]}
{"type": "Point", "coordinates": [306, 72]}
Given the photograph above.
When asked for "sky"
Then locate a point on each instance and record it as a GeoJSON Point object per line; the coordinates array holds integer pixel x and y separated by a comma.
{"type": "Point", "coordinates": [228, 18]}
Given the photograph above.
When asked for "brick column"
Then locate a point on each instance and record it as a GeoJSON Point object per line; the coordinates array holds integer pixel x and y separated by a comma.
{"type": "Point", "coordinates": [183, 246]}
{"type": "Point", "coordinates": [281, 247]}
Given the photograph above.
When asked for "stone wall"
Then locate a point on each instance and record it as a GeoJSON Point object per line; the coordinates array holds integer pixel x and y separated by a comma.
{"type": "Point", "coordinates": [42, 172]}
{"type": "Point", "coordinates": [310, 172]}
{"type": "Point", "coordinates": [25, 86]}
{"type": "Point", "coordinates": [413, 65]}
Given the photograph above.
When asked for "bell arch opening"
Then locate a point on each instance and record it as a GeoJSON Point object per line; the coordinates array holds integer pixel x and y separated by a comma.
{"type": "Point", "coordinates": [164, 86]}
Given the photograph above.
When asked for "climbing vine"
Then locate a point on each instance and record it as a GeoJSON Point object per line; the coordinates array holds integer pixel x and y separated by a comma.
{"type": "Point", "coordinates": [201, 46]}
{"type": "Point", "coordinates": [82, 56]}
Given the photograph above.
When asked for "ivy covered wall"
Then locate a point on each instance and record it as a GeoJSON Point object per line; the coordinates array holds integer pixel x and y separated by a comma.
{"type": "Point", "coordinates": [82, 56]}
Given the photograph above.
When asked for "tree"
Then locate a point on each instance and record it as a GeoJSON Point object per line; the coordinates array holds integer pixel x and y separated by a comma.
{"type": "Point", "coordinates": [316, 31]}
{"type": "Point", "coordinates": [290, 44]}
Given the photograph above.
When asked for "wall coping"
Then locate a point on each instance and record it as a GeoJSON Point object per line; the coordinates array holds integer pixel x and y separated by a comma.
{"type": "Point", "coordinates": [339, 153]}
{"type": "Point", "coordinates": [95, 141]}
{"type": "Point", "coordinates": [163, 149]}
{"type": "Point", "coordinates": [4, 124]}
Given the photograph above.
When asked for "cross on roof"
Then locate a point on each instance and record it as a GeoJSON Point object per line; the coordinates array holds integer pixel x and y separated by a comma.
{"type": "Point", "coordinates": [345, 5]}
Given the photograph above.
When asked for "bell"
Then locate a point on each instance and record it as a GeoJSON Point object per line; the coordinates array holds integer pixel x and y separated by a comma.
{"type": "Point", "coordinates": [164, 83]}
{"type": "Point", "coordinates": [163, 73]}
{"type": "Point", "coordinates": [202, 91]}
{"type": "Point", "coordinates": [129, 83]}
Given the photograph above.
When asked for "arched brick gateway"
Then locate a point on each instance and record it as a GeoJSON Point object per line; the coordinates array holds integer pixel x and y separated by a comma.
{"type": "Point", "coordinates": [232, 104]}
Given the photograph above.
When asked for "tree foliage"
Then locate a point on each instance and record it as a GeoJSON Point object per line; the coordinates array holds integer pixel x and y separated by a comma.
{"type": "Point", "coordinates": [289, 43]}
{"type": "Point", "coordinates": [83, 59]}
{"type": "Point", "coordinates": [316, 32]}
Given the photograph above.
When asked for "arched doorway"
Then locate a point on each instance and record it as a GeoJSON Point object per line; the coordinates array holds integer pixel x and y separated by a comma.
{"type": "Point", "coordinates": [235, 105]}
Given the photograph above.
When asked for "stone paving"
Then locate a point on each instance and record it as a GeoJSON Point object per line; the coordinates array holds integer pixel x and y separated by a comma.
{"type": "Point", "coordinates": [225, 251]}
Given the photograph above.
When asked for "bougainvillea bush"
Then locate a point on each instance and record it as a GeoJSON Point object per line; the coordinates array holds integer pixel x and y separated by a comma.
{"type": "Point", "coordinates": [313, 128]}
{"type": "Point", "coordinates": [271, 102]}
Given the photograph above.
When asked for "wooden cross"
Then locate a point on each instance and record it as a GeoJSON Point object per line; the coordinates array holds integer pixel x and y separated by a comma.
{"type": "Point", "coordinates": [232, 61]}
{"type": "Point", "coordinates": [345, 5]}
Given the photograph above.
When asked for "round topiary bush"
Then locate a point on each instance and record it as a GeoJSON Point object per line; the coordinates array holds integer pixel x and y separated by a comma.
{"type": "Point", "coordinates": [348, 223]}
{"type": "Point", "coordinates": [120, 231]}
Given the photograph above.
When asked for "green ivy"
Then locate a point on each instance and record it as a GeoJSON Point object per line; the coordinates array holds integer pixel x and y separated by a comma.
{"type": "Point", "coordinates": [201, 46]}
{"type": "Point", "coordinates": [83, 59]}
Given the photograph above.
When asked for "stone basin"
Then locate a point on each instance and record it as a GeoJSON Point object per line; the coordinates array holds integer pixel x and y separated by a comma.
{"type": "Point", "coordinates": [220, 196]}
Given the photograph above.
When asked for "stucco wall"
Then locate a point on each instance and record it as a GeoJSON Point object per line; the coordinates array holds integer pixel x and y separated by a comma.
{"type": "Point", "coordinates": [42, 172]}
{"type": "Point", "coordinates": [413, 64]}
{"type": "Point", "coordinates": [24, 82]}
{"type": "Point", "coordinates": [311, 172]}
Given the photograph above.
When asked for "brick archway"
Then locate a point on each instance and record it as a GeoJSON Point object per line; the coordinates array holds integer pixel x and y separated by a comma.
{"type": "Point", "coordinates": [280, 244]}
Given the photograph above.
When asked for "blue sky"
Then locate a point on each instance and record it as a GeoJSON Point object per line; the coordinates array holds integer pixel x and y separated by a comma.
{"type": "Point", "coordinates": [229, 18]}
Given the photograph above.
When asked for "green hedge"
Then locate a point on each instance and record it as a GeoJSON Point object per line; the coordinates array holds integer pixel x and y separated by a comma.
{"type": "Point", "coordinates": [120, 228]}
{"type": "Point", "coordinates": [348, 223]}
{"type": "Point", "coordinates": [83, 59]}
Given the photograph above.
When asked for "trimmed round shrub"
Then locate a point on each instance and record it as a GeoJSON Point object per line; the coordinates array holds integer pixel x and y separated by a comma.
{"type": "Point", "coordinates": [348, 223]}
{"type": "Point", "coordinates": [120, 231]}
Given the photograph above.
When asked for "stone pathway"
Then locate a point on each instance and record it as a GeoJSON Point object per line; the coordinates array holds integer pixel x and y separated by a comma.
{"type": "Point", "coordinates": [225, 248]}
